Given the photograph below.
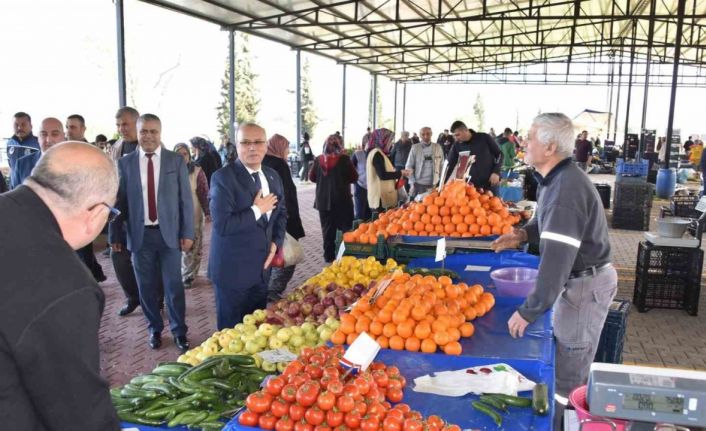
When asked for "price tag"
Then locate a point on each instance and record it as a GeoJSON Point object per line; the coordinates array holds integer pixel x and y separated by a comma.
{"type": "Point", "coordinates": [341, 250]}
{"type": "Point", "coordinates": [277, 355]}
{"type": "Point", "coordinates": [440, 249]}
{"type": "Point", "coordinates": [701, 205]}
{"type": "Point", "coordinates": [362, 352]}
{"type": "Point", "coordinates": [476, 268]}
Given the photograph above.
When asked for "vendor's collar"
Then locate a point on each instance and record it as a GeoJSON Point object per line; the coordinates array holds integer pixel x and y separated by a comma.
{"type": "Point", "coordinates": [543, 181]}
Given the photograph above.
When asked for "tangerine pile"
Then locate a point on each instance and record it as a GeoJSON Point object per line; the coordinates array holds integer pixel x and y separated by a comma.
{"type": "Point", "coordinates": [416, 313]}
{"type": "Point", "coordinates": [459, 211]}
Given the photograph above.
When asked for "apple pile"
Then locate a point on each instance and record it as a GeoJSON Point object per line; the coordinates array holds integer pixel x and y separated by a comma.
{"type": "Point", "coordinates": [350, 271]}
{"type": "Point", "coordinates": [255, 335]}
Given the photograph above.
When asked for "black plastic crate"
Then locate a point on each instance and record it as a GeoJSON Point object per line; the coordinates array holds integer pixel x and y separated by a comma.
{"type": "Point", "coordinates": [633, 195]}
{"type": "Point", "coordinates": [669, 261]}
{"type": "Point", "coordinates": [685, 206]}
{"type": "Point", "coordinates": [610, 346]}
{"type": "Point", "coordinates": [631, 218]}
{"type": "Point", "coordinates": [604, 192]}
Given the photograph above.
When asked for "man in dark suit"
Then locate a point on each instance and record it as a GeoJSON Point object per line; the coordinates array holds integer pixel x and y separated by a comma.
{"type": "Point", "coordinates": [50, 133]}
{"type": "Point", "coordinates": [51, 306]}
{"type": "Point", "coordinates": [155, 199]}
{"type": "Point", "coordinates": [249, 222]}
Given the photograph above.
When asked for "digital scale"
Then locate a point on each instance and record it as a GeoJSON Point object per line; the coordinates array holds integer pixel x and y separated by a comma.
{"type": "Point", "coordinates": [646, 396]}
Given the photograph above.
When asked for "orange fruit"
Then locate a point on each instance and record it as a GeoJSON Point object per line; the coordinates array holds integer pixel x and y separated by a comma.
{"type": "Point", "coordinates": [485, 230]}
{"type": "Point", "coordinates": [351, 338]}
{"type": "Point", "coordinates": [439, 201]}
{"type": "Point", "coordinates": [453, 348]}
{"type": "Point", "coordinates": [383, 341]}
{"type": "Point", "coordinates": [338, 337]}
{"type": "Point", "coordinates": [422, 330]}
{"type": "Point", "coordinates": [389, 330]}
{"type": "Point", "coordinates": [428, 345]}
{"type": "Point", "coordinates": [347, 328]}
{"type": "Point", "coordinates": [467, 329]}
{"type": "Point", "coordinates": [405, 329]}
{"type": "Point", "coordinates": [412, 344]}
{"type": "Point", "coordinates": [376, 328]}
{"type": "Point", "coordinates": [454, 334]}
{"type": "Point", "coordinates": [470, 313]}
{"type": "Point", "coordinates": [426, 218]}
{"type": "Point", "coordinates": [396, 342]}
{"type": "Point", "coordinates": [441, 338]}
{"type": "Point", "coordinates": [384, 316]}
{"type": "Point", "coordinates": [433, 210]}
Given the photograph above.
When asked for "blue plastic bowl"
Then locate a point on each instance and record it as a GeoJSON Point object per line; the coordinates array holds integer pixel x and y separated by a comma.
{"type": "Point", "coordinates": [514, 281]}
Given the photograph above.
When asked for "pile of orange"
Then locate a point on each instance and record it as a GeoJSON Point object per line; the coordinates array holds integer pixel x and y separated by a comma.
{"type": "Point", "coordinates": [416, 313]}
{"type": "Point", "coordinates": [460, 210]}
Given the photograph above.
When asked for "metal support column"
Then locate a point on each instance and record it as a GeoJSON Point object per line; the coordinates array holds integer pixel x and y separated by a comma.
{"type": "Point", "coordinates": [231, 85]}
{"type": "Point", "coordinates": [632, 65]}
{"type": "Point", "coordinates": [611, 82]}
{"type": "Point", "coordinates": [650, 38]}
{"type": "Point", "coordinates": [675, 75]}
{"type": "Point", "coordinates": [299, 98]}
{"type": "Point", "coordinates": [375, 101]}
{"type": "Point", "coordinates": [343, 108]}
{"type": "Point", "coordinates": [404, 106]}
{"type": "Point", "coordinates": [394, 117]}
{"type": "Point", "coordinates": [120, 33]}
{"type": "Point", "coordinates": [617, 101]}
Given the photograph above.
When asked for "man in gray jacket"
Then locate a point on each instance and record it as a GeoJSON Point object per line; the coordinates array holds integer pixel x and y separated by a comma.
{"type": "Point", "coordinates": [576, 276]}
{"type": "Point", "coordinates": [425, 160]}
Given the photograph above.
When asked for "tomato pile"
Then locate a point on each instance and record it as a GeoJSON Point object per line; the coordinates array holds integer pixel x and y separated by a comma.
{"type": "Point", "coordinates": [314, 393]}
{"type": "Point", "coordinates": [416, 313]}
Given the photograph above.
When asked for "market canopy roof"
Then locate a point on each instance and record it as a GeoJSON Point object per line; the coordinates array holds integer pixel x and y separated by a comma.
{"type": "Point", "coordinates": [412, 40]}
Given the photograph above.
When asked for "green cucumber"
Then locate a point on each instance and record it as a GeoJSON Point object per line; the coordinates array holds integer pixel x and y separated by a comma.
{"type": "Point", "coordinates": [495, 402]}
{"type": "Point", "coordinates": [488, 410]}
{"type": "Point", "coordinates": [147, 378]}
{"type": "Point", "coordinates": [162, 388]}
{"type": "Point", "coordinates": [513, 401]}
{"type": "Point", "coordinates": [540, 399]}
{"type": "Point", "coordinates": [138, 393]}
{"type": "Point", "coordinates": [168, 370]}
{"type": "Point", "coordinates": [135, 419]}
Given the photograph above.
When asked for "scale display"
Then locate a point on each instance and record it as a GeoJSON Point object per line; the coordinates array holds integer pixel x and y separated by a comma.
{"type": "Point", "coordinates": [653, 403]}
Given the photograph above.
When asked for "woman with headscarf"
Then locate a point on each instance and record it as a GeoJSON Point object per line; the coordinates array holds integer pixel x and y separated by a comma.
{"type": "Point", "coordinates": [382, 177]}
{"type": "Point", "coordinates": [191, 260]}
{"type": "Point", "coordinates": [276, 158]}
{"type": "Point", "coordinates": [333, 172]}
{"type": "Point", "coordinates": [206, 156]}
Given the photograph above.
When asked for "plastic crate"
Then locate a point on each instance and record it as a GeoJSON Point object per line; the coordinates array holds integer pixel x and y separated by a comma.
{"type": "Point", "coordinates": [632, 169]}
{"type": "Point", "coordinates": [633, 195]}
{"type": "Point", "coordinates": [511, 194]}
{"type": "Point", "coordinates": [604, 192]}
{"type": "Point", "coordinates": [631, 218]}
{"type": "Point", "coordinates": [685, 206]}
{"type": "Point", "coordinates": [379, 250]}
{"type": "Point", "coordinates": [668, 277]}
{"type": "Point", "coordinates": [610, 346]}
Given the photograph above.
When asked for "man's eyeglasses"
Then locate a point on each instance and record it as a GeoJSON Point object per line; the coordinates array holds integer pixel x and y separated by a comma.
{"type": "Point", "coordinates": [253, 143]}
{"type": "Point", "coordinates": [114, 212]}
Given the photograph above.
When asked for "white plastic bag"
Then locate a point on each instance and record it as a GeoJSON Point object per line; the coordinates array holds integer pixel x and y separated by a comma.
{"type": "Point", "coordinates": [292, 250]}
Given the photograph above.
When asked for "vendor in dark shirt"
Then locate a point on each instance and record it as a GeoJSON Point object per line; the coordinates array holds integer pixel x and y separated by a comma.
{"type": "Point", "coordinates": [485, 172]}
{"type": "Point", "coordinates": [381, 174]}
{"type": "Point", "coordinates": [583, 151]}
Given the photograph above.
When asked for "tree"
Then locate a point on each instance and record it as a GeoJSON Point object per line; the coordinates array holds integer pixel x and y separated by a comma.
{"type": "Point", "coordinates": [247, 102]}
{"type": "Point", "coordinates": [308, 113]}
{"type": "Point", "coordinates": [479, 112]}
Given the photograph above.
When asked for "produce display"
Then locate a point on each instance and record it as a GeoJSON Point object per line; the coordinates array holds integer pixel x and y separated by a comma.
{"type": "Point", "coordinates": [350, 271]}
{"type": "Point", "coordinates": [460, 210]}
{"type": "Point", "coordinates": [416, 313]}
{"type": "Point", "coordinates": [315, 393]}
{"type": "Point", "coordinates": [179, 394]}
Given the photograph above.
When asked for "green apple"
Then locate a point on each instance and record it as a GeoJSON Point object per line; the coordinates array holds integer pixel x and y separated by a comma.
{"type": "Point", "coordinates": [281, 366]}
{"type": "Point", "coordinates": [284, 334]}
{"type": "Point", "coordinates": [333, 323]}
{"type": "Point", "coordinates": [249, 319]}
{"type": "Point", "coordinates": [296, 330]}
{"type": "Point", "coordinates": [236, 346]}
{"type": "Point", "coordinates": [296, 341]}
{"type": "Point", "coordinates": [325, 334]}
{"type": "Point", "coordinates": [260, 315]}
{"type": "Point", "coordinates": [249, 328]}
{"type": "Point", "coordinates": [308, 327]}
{"type": "Point", "coordinates": [233, 333]}
{"type": "Point", "coordinates": [252, 347]}
{"type": "Point", "coordinates": [258, 360]}
{"type": "Point", "coordinates": [275, 343]}
{"type": "Point", "coordinates": [239, 327]}
{"type": "Point", "coordinates": [312, 336]}
{"type": "Point", "coordinates": [261, 342]}
{"type": "Point", "coordinates": [248, 337]}
{"type": "Point", "coordinates": [266, 329]}
{"type": "Point", "coordinates": [268, 366]}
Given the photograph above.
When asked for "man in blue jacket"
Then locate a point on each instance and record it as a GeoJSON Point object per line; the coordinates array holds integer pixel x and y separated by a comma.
{"type": "Point", "coordinates": [249, 222]}
{"type": "Point", "coordinates": [23, 141]}
{"type": "Point", "coordinates": [155, 199]}
{"type": "Point", "coordinates": [50, 134]}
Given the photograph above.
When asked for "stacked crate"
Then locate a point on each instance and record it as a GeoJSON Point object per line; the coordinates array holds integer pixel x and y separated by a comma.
{"type": "Point", "coordinates": [610, 346]}
{"type": "Point", "coordinates": [632, 204]}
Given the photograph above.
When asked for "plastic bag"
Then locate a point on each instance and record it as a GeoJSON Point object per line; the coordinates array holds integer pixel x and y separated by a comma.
{"type": "Point", "coordinates": [293, 251]}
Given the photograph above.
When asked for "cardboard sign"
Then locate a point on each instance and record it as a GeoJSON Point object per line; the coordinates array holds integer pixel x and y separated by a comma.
{"type": "Point", "coordinates": [362, 352]}
{"type": "Point", "coordinates": [341, 250]}
{"type": "Point", "coordinates": [440, 249]}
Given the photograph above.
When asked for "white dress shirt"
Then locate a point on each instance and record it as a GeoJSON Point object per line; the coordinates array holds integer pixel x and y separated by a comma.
{"type": "Point", "coordinates": [143, 179]}
{"type": "Point", "coordinates": [265, 191]}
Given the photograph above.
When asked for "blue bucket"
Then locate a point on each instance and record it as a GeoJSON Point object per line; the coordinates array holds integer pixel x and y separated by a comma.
{"type": "Point", "coordinates": [666, 183]}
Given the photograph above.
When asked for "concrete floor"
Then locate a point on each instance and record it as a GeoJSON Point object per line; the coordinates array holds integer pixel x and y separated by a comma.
{"type": "Point", "coordinates": [658, 337]}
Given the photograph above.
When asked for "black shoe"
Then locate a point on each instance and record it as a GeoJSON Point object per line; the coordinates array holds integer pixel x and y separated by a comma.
{"type": "Point", "coordinates": [128, 308]}
{"type": "Point", "coordinates": [155, 340]}
{"type": "Point", "coordinates": [182, 343]}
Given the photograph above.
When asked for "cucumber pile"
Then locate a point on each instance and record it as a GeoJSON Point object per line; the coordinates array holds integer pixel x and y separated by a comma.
{"type": "Point", "coordinates": [198, 397]}
{"type": "Point", "coordinates": [494, 405]}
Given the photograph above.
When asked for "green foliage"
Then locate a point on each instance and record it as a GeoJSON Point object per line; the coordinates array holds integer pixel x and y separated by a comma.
{"type": "Point", "coordinates": [309, 118]}
{"type": "Point", "coordinates": [479, 112]}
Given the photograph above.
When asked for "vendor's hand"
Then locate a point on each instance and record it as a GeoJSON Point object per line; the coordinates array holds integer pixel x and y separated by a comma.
{"type": "Point", "coordinates": [273, 250]}
{"type": "Point", "coordinates": [517, 325]}
{"type": "Point", "coordinates": [509, 240]}
{"type": "Point", "coordinates": [406, 172]}
{"type": "Point", "coordinates": [265, 203]}
{"type": "Point", "coordinates": [494, 179]}
{"type": "Point", "coordinates": [117, 247]}
{"type": "Point", "coordinates": [186, 244]}
{"type": "Point", "coordinates": [412, 190]}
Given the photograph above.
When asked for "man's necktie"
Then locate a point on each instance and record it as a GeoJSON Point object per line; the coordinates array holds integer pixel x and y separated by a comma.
{"type": "Point", "coordinates": [258, 186]}
{"type": "Point", "coordinates": [151, 199]}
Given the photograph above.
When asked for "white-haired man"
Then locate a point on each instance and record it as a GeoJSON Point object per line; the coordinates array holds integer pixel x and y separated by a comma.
{"type": "Point", "coordinates": [575, 273]}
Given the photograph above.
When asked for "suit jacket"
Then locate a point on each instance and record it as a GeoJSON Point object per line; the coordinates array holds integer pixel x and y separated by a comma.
{"type": "Point", "coordinates": [23, 168]}
{"type": "Point", "coordinates": [175, 207]}
{"type": "Point", "coordinates": [294, 221]}
{"type": "Point", "coordinates": [239, 244]}
{"type": "Point", "coordinates": [50, 316]}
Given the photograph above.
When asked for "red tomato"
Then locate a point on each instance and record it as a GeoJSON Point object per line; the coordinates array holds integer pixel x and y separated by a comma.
{"type": "Point", "coordinates": [302, 426]}
{"type": "Point", "coordinates": [394, 395]}
{"type": "Point", "coordinates": [279, 407]}
{"type": "Point", "coordinates": [314, 415]}
{"type": "Point", "coordinates": [314, 370]}
{"type": "Point", "coordinates": [267, 421]}
{"type": "Point", "coordinates": [274, 385]}
{"type": "Point", "coordinates": [299, 379]}
{"type": "Point", "coordinates": [395, 414]}
{"type": "Point", "coordinates": [305, 354]}
{"type": "Point", "coordinates": [378, 366]}
{"type": "Point", "coordinates": [289, 393]}
{"type": "Point", "coordinates": [335, 387]}
{"type": "Point", "coordinates": [294, 367]}
{"type": "Point", "coordinates": [331, 371]}
{"type": "Point", "coordinates": [392, 371]}
{"type": "Point", "coordinates": [362, 384]}
{"type": "Point", "coordinates": [394, 383]}
{"type": "Point", "coordinates": [322, 427]}
{"type": "Point", "coordinates": [435, 420]}
{"type": "Point", "coordinates": [412, 425]}
{"type": "Point", "coordinates": [284, 424]}
{"type": "Point", "coordinates": [351, 389]}
{"type": "Point", "coordinates": [414, 415]}
{"type": "Point", "coordinates": [352, 420]}
{"type": "Point", "coordinates": [390, 424]}
{"type": "Point", "coordinates": [381, 378]}
{"type": "Point", "coordinates": [307, 394]}
{"type": "Point", "coordinates": [452, 427]}
{"type": "Point", "coordinates": [373, 392]}
{"type": "Point", "coordinates": [345, 403]}
{"type": "Point", "coordinates": [334, 418]}
{"type": "Point", "coordinates": [361, 407]}
{"type": "Point", "coordinates": [369, 424]}
{"type": "Point", "coordinates": [296, 412]}
{"type": "Point", "coordinates": [376, 410]}
{"type": "Point", "coordinates": [404, 408]}
{"type": "Point", "coordinates": [258, 402]}
{"type": "Point", "coordinates": [341, 427]}
{"type": "Point", "coordinates": [326, 400]}
{"type": "Point", "coordinates": [317, 359]}
{"type": "Point", "coordinates": [248, 418]}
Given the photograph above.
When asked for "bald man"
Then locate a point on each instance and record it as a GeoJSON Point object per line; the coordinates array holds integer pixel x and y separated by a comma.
{"type": "Point", "coordinates": [51, 133]}
{"type": "Point", "coordinates": [51, 306]}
